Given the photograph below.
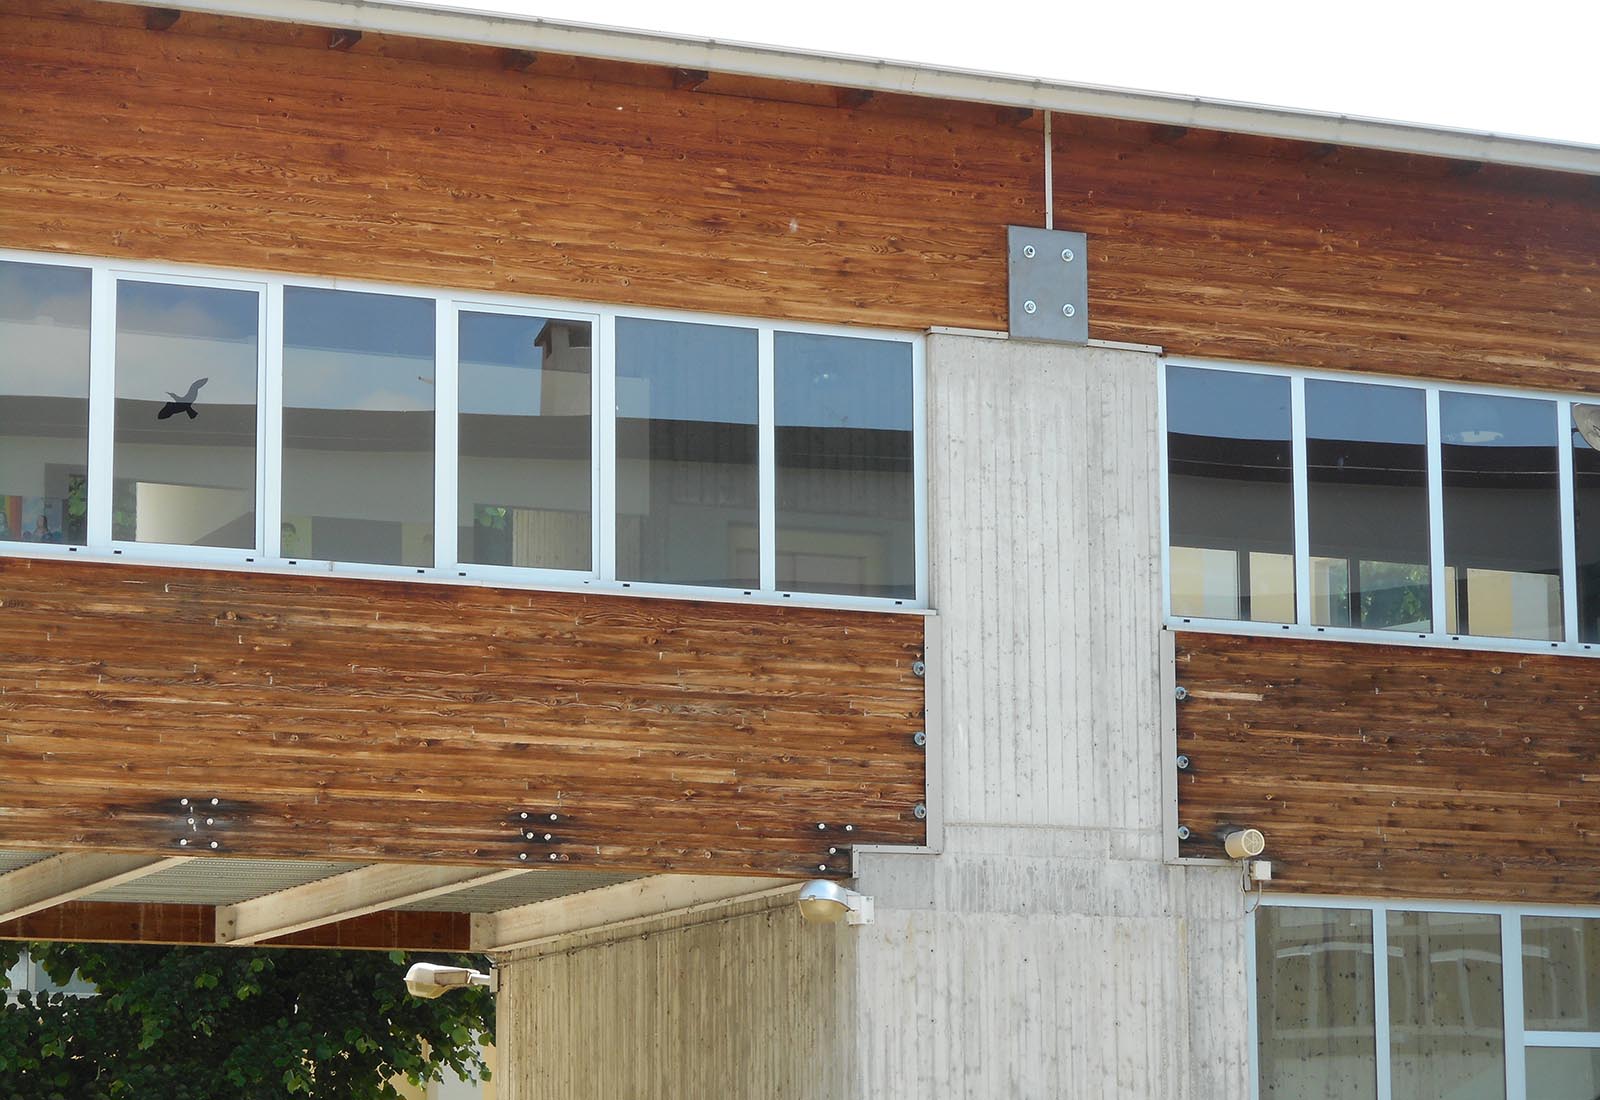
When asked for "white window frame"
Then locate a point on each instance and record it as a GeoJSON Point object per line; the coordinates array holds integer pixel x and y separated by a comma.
{"type": "Point", "coordinates": [448, 304]}
{"type": "Point", "coordinates": [1437, 637]}
{"type": "Point", "coordinates": [1518, 1040]}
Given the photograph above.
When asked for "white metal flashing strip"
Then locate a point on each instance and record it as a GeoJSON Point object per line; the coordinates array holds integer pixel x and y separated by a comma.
{"type": "Point", "coordinates": [906, 78]}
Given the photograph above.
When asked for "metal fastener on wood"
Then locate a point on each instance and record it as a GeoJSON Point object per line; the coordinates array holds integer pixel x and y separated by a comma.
{"type": "Point", "coordinates": [1183, 832]}
{"type": "Point", "coordinates": [918, 668]}
{"type": "Point", "coordinates": [919, 739]}
{"type": "Point", "coordinates": [1180, 693]}
{"type": "Point", "coordinates": [919, 811]}
{"type": "Point", "coordinates": [1183, 762]}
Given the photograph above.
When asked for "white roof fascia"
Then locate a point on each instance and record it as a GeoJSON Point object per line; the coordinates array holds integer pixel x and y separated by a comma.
{"type": "Point", "coordinates": [712, 55]}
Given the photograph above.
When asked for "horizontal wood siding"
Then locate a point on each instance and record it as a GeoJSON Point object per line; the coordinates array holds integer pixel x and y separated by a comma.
{"type": "Point", "coordinates": [1391, 771]}
{"type": "Point", "coordinates": [252, 144]}
{"type": "Point", "coordinates": [351, 719]}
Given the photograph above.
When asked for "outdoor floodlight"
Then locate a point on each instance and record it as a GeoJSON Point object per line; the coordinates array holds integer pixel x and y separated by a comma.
{"type": "Point", "coordinates": [824, 902]}
{"type": "Point", "coordinates": [429, 980]}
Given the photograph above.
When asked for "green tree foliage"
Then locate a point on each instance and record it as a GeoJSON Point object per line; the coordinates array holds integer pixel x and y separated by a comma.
{"type": "Point", "coordinates": [177, 1023]}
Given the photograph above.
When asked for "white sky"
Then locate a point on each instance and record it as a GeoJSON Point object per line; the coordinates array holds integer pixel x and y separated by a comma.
{"type": "Point", "coordinates": [1525, 67]}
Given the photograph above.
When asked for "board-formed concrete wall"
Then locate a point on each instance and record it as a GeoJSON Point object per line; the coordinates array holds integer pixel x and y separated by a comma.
{"type": "Point", "coordinates": [1045, 949]}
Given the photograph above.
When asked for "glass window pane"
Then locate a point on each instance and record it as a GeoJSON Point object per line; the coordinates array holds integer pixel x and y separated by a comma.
{"type": "Point", "coordinates": [1230, 495]}
{"type": "Point", "coordinates": [1559, 1074]}
{"type": "Point", "coordinates": [525, 452]}
{"type": "Point", "coordinates": [1502, 509]}
{"type": "Point", "coordinates": [44, 402]}
{"type": "Point", "coordinates": [1561, 973]}
{"type": "Point", "coordinates": [1367, 499]}
{"type": "Point", "coordinates": [845, 488]}
{"type": "Point", "coordinates": [688, 505]}
{"type": "Point", "coordinates": [1317, 1033]}
{"type": "Point", "coordinates": [1586, 510]}
{"type": "Point", "coordinates": [357, 427]}
{"type": "Point", "coordinates": [1446, 1016]}
{"type": "Point", "coordinates": [185, 460]}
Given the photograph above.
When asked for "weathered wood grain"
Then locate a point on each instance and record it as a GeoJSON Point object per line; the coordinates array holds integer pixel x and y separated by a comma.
{"type": "Point", "coordinates": [251, 144]}
{"type": "Point", "coordinates": [132, 922]}
{"type": "Point", "coordinates": [398, 721]}
{"type": "Point", "coordinates": [1392, 771]}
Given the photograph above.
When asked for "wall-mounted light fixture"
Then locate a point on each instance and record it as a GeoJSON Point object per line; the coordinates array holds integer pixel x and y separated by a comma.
{"type": "Point", "coordinates": [430, 980]}
{"type": "Point", "coordinates": [824, 902]}
{"type": "Point", "coordinates": [1243, 843]}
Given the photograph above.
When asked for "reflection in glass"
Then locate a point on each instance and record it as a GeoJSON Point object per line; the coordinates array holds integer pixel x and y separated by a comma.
{"type": "Point", "coordinates": [44, 402]}
{"type": "Point", "coordinates": [524, 477]}
{"type": "Point", "coordinates": [846, 506]}
{"type": "Point", "coordinates": [1231, 495]}
{"type": "Point", "coordinates": [1561, 973]}
{"type": "Point", "coordinates": [1367, 499]}
{"type": "Point", "coordinates": [185, 459]}
{"type": "Point", "coordinates": [1446, 1016]}
{"type": "Point", "coordinates": [1502, 516]}
{"type": "Point", "coordinates": [1317, 1037]}
{"type": "Point", "coordinates": [687, 486]}
{"type": "Point", "coordinates": [1563, 1074]}
{"type": "Point", "coordinates": [1586, 511]}
{"type": "Point", "coordinates": [357, 427]}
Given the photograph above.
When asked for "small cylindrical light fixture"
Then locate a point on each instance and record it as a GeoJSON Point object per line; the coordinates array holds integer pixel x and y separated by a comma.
{"type": "Point", "coordinates": [1243, 843]}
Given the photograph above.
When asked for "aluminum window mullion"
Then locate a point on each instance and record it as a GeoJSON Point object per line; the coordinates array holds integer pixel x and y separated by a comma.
{"type": "Point", "coordinates": [446, 435]}
{"type": "Point", "coordinates": [1569, 523]}
{"type": "Point", "coordinates": [1252, 1006]}
{"type": "Point", "coordinates": [270, 394]}
{"type": "Point", "coordinates": [1301, 502]}
{"type": "Point", "coordinates": [1380, 1002]}
{"type": "Point", "coordinates": [919, 465]}
{"type": "Point", "coordinates": [767, 457]}
{"type": "Point", "coordinates": [1164, 488]}
{"type": "Point", "coordinates": [1511, 993]}
{"type": "Point", "coordinates": [102, 406]}
{"type": "Point", "coordinates": [605, 448]}
{"type": "Point", "coordinates": [1436, 570]}
{"type": "Point", "coordinates": [1559, 1040]}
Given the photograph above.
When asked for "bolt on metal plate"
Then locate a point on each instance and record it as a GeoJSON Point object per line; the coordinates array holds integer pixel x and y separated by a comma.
{"type": "Point", "coordinates": [1049, 284]}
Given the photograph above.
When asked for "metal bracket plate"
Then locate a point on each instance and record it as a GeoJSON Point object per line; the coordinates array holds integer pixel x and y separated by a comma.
{"type": "Point", "coordinates": [1049, 284]}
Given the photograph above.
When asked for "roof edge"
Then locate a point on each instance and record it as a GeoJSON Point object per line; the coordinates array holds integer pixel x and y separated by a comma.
{"type": "Point", "coordinates": [906, 78]}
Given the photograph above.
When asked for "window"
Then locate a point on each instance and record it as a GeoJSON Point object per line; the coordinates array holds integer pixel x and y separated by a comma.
{"type": "Point", "coordinates": [687, 478]}
{"type": "Point", "coordinates": [44, 403]}
{"type": "Point", "coordinates": [1367, 499]}
{"type": "Point", "coordinates": [184, 415]}
{"type": "Point", "coordinates": [187, 363]}
{"type": "Point", "coordinates": [1380, 510]}
{"type": "Point", "coordinates": [844, 453]}
{"type": "Point", "coordinates": [1472, 1002]}
{"type": "Point", "coordinates": [525, 430]}
{"type": "Point", "coordinates": [1230, 479]}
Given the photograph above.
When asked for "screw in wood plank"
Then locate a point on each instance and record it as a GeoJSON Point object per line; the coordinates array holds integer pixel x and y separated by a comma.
{"type": "Point", "coordinates": [919, 739]}
{"type": "Point", "coordinates": [918, 668]}
{"type": "Point", "coordinates": [1180, 693]}
{"type": "Point", "coordinates": [1183, 832]}
{"type": "Point", "coordinates": [919, 811]}
{"type": "Point", "coordinates": [1183, 762]}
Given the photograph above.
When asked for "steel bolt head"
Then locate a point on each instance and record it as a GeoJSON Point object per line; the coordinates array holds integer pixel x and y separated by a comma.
{"type": "Point", "coordinates": [1029, 251]}
{"type": "Point", "coordinates": [1183, 832]}
{"type": "Point", "coordinates": [1030, 306]}
{"type": "Point", "coordinates": [548, 836]}
{"type": "Point", "coordinates": [1069, 310]}
{"type": "Point", "coordinates": [1183, 762]}
{"type": "Point", "coordinates": [215, 845]}
{"type": "Point", "coordinates": [522, 856]}
{"type": "Point", "coordinates": [1067, 255]}
{"type": "Point", "coordinates": [918, 668]}
{"type": "Point", "coordinates": [919, 811]}
{"type": "Point", "coordinates": [919, 738]}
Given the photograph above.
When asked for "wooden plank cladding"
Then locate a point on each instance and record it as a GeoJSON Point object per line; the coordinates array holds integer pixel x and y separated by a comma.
{"type": "Point", "coordinates": [1390, 771]}
{"type": "Point", "coordinates": [372, 720]}
{"type": "Point", "coordinates": [252, 144]}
